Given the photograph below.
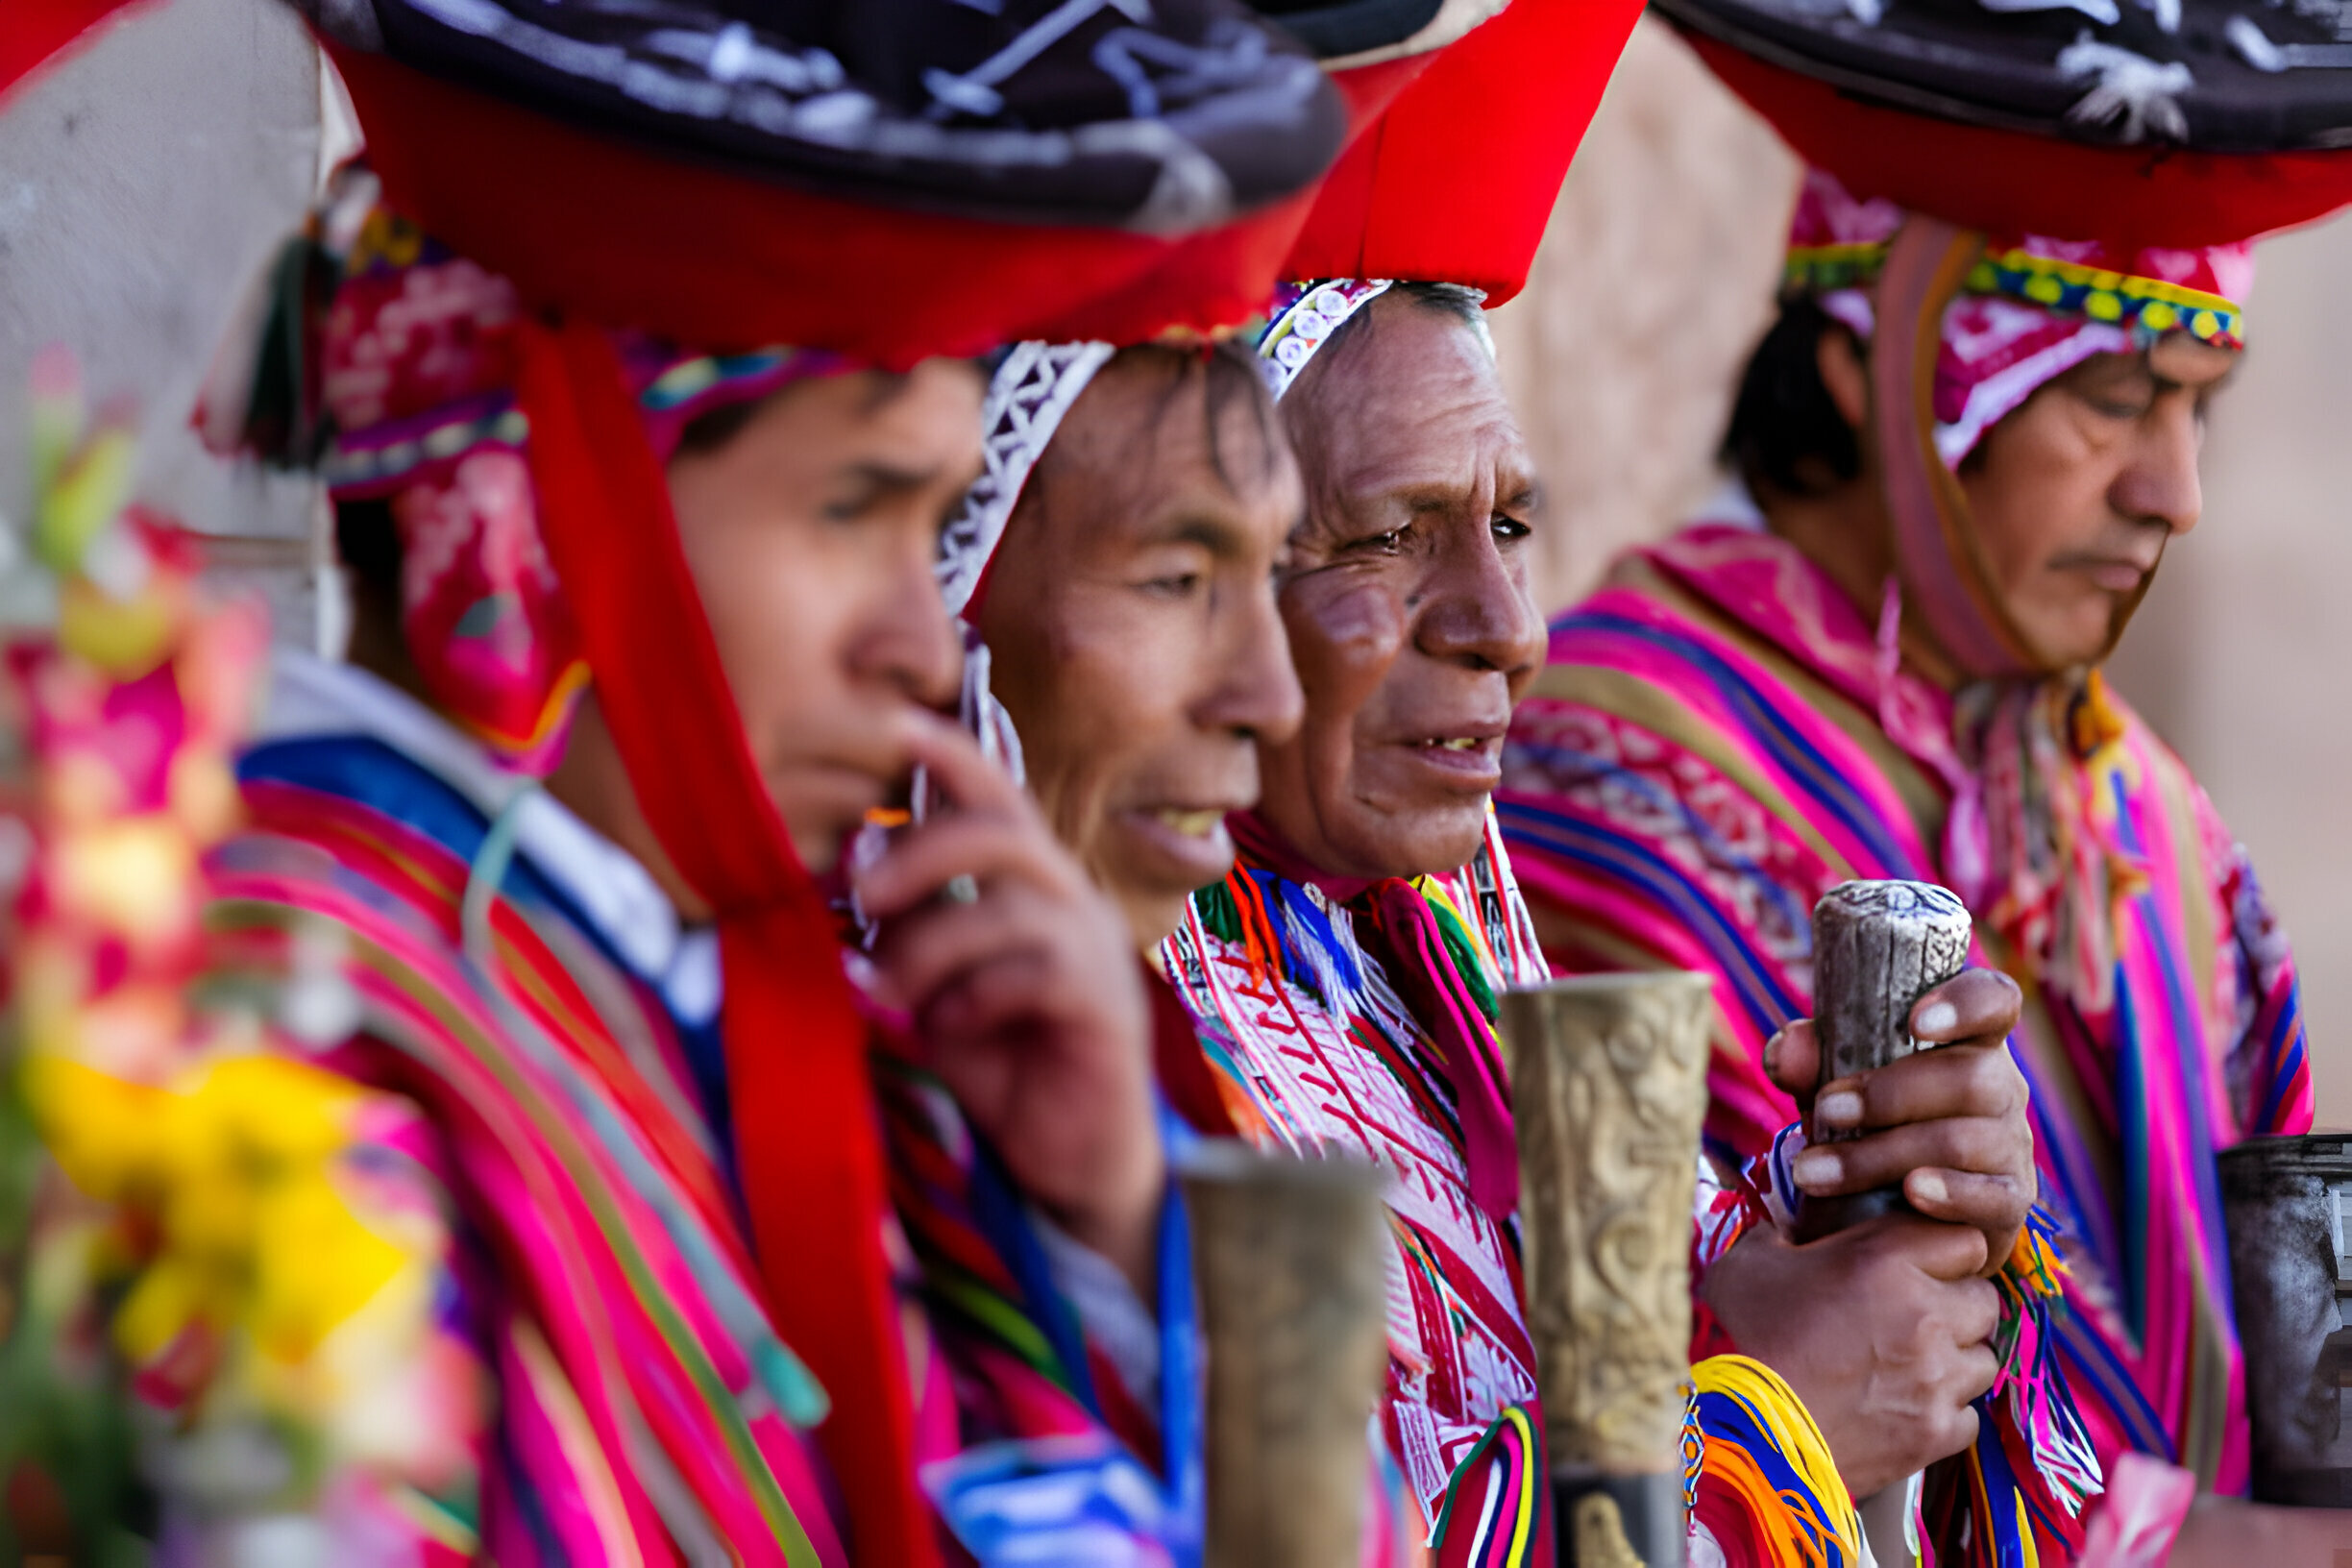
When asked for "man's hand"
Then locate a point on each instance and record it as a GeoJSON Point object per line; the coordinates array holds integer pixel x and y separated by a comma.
{"type": "Point", "coordinates": [2230, 1531]}
{"type": "Point", "coordinates": [1881, 1330]}
{"type": "Point", "coordinates": [1948, 1125]}
{"type": "Point", "coordinates": [1027, 1000]}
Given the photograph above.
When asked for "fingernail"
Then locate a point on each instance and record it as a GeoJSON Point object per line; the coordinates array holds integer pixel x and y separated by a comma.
{"type": "Point", "coordinates": [1816, 1167]}
{"type": "Point", "coordinates": [1841, 1109]}
{"type": "Point", "coordinates": [1927, 1187]}
{"type": "Point", "coordinates": [1936, 1018]}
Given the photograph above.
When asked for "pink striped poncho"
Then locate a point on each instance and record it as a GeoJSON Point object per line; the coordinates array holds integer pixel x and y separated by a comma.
{"type": "Point", "coordinates": [1720, 737]}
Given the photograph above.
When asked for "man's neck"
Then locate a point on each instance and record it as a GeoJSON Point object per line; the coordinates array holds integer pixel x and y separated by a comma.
{"type": "Point", "coordinates": [1845, 531]}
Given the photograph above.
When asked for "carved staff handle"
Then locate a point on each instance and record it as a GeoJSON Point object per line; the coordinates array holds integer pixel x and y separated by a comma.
{"type": "Point", "coordinates": [1291, 1256]}
{"type": "Point", "coordinates": [1608, 1090]}
{"type": "Point", "coordinates": [1877, 948]}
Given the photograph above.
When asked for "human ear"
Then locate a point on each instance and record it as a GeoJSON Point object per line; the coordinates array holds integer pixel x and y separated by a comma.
{"type": "Point", "coordinates": [1838, 357]}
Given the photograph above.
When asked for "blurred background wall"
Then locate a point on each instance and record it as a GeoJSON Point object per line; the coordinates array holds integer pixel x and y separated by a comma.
{"type": "Point", "coordinates": [145, 183]}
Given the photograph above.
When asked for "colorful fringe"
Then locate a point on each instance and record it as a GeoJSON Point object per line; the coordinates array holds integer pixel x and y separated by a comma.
{"type": "Point", "coordinates": [1314, 1046]}
{"type": "Point", "coordinates": [1757, 1474]}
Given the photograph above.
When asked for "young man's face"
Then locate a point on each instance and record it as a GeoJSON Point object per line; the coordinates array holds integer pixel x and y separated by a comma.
{"type": "Point", "coordinates": [2075, 495]}
{"type": "Point", "coordinates": [1407, 599]}
{"type": "Point", "coordinates": [1130, 617]}
{"type": "Point", "coordinates": [812, 533]}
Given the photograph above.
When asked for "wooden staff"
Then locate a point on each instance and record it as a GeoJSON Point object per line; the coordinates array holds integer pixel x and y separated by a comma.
{"type": "Point", "coordinates": [1291, 1256]}
{"type": "Point", "coordinates": [1877, 948]}
{"type": "Point", "coordinates": [1608, 1085]}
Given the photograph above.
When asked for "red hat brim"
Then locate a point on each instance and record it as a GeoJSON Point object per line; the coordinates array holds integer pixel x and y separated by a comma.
{"type": "Point", "coordinates": [599, 228]}
{"type": "Point", "coordinates": [1456, 181]}
{"type": "Point", "coordinates": [2014, 183]}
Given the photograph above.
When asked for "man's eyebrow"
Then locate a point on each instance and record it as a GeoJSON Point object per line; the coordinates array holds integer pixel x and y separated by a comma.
{"type": "Point", "coordinates": [891, 479]}
{"type": "Point", "coordinates": [1214, 534]}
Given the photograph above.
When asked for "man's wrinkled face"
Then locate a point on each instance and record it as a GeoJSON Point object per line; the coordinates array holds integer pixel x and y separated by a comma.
{"type": "Point", "coordinates": [2075, 495]}
{"type": "Point", "coordinates": [1407, 599]}
{"type": "Point", "coordinates": [1129, 613]}
{"type": "Point", "coordinates": [811, 533]}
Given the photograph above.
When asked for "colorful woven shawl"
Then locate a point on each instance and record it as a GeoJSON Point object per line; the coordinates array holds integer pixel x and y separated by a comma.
{"type": "Point", "coordinates": [646, 1409]}
{"type": "Point", "coordinates": [1720, 737]}
{"type": "Point", "coordinates": [1312, 1002]}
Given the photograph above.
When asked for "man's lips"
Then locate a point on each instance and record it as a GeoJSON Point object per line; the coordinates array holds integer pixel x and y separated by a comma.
{"type": "Point", "coordinates": [1191, 839]}
{"type": "Point", "coordinates": [1473, 757]}
{"type": "Point", "coordinates": [2114, 574]}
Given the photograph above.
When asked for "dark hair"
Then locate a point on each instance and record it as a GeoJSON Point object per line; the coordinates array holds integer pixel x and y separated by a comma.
{"type": "Point", "coordinates": [708, 431]}
{"type": "Point", "coordinates": [1462, 306]}
{"type": "Point", "coordinates": [1786, 432]}
{"type": "Point", "coordinates": [1229, 368]}
{"type": "Point", "coordinates": [369, 545]}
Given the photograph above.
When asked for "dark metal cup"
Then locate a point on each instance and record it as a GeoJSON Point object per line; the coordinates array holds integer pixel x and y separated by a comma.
{"type": "Point", "coordinates": [2287, 1206]}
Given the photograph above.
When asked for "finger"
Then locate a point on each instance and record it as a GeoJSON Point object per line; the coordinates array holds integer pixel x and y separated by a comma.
{"type": "Point", "coordinates": [1992, 1204]}
{"type": "Point", "coordinates": [1968, 1143]}
{"type": "Point", "coordinates": [1975, 1005]}
{"type": "Point", "coordinates": [1971, 1381]}
{"type": "Point", "coordinates": [921, 953]}
{"type": "Point", "coordinates": [961, 773]}
{"type": "Point", "coordinates": [1792, 1060]}
{"type": "Point", "coordinates": [1956, 1428]}
{"type": "Point", "coordinates": [1975, 1315]}
{"type": "Point", "coordinates": [979, 1002]}
{"type": "Point", "coordinates": [1953, 1081]}
{"type": "Point", "coordinates": [1937, 1250]}
{"type": "Point", "coordinates": [921, 860]}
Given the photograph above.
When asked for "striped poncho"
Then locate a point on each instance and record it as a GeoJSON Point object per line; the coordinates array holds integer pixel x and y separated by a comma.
{"type": "Point", "coordinates": [522, 982]}
{"type": "Point", "coordinates": [1720, 736]}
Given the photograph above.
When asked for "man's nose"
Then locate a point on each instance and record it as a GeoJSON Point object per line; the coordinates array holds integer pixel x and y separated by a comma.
{"type": "Point", "coordinates": [1255, 691]}
{"type": "Point", "coordinates": [2160, 484]}
{"type": "Point", "coordinates": [1477, 608]}
{"type": "Point", "coordinates": [909, 643]}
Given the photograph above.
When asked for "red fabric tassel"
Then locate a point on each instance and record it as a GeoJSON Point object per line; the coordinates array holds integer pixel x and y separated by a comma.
{"type": "Point", "coordinates": [798, 1072]}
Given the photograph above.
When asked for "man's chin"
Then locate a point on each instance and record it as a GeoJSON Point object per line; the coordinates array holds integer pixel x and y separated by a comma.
{"type": "Point", "coordinates": [1437, 841]}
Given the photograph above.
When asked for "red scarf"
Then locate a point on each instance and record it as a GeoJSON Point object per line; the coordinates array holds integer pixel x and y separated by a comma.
{"type": "Point", "coordinates": [812, 1170]}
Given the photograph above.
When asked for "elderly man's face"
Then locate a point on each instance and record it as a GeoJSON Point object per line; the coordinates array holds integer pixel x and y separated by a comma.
{"type": "Point", "coordinates": [1407, 602]}
{"type": "Point", "coordinates": [1130, 615]}
{"type": "Point", "coordinates": [2075, 495]}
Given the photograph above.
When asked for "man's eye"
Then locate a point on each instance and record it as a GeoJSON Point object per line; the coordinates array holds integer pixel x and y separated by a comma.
{"type": "Point", "coordinates": [1507, 527]}
{"type": "Point", "coordinates": [1175, 586]}
{"type": "Point", "coordinates": [1381, 544]}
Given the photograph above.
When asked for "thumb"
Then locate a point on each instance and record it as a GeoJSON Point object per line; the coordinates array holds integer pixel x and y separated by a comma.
{"type": "Point", "coordinates": [1792, 1061]}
